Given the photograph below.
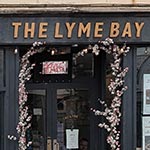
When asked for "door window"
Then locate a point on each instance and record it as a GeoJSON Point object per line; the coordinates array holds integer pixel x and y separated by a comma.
{"type": "Point", "coordinates": [36, 134]}
{"type": "Point", "coordinates": [73, 107]}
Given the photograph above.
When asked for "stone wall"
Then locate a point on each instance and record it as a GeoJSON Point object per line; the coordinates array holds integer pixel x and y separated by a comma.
{"type": "Point", "coordinates": [75, 2]}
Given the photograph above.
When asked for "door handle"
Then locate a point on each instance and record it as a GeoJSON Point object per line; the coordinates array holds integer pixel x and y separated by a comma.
{"type": "Point", "coordinates": [55, 145]}
{"type": "Point", "coordinates": [49, 143]}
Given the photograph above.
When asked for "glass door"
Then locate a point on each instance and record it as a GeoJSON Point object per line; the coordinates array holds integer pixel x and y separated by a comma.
{"type": "Point", "coordinates": [60, 117]}
{"type": "Point", "coordinates": [73, 118]}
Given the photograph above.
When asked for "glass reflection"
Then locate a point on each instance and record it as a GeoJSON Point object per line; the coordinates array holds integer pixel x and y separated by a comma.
{"type": "Point", "coordinates": [72, 113]}
{"type": "Point", "coordinates": [143, 61]}
{"type": "Point", "coordinates": [83, 66]}
{"type": "Point", "coordinates": [36, 134]}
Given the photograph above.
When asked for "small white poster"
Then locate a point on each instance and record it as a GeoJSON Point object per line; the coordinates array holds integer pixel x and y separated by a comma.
{"type": "Point", "coordinates": [146, 94]}
{"type": "Point", "coordinates": [146, 133]}
{"type": "Point", "coordinates": [37, 111]}
{"type": "Point", "coordinates": [72, 137]}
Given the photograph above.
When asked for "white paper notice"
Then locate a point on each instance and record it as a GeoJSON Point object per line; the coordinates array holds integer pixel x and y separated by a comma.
{"type": "Point", "coordinates": [37, 111]}
{"type": "Point", "coordinates": [146, 94]}
{"type": "Point", "coordinates": [72, 137]}
{"type": "Point", "coordinates": [146, 133]}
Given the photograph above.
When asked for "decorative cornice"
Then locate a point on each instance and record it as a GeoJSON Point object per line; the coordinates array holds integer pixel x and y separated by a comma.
{"type": "Point", "coordinates": [93, 8]}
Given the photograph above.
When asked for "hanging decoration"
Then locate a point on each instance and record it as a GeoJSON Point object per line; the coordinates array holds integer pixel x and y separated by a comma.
{"type": "Point", "coordinates": [116, 88]}
{"type": "Point", "coordinates": [112, 112]}
{"type": "Point", "coordinates": [25, 75]}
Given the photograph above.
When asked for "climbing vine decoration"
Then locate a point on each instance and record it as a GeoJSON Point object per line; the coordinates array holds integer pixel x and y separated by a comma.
{"type": "Point", "coordinates": [111, 113]}
{"type": "Point", "coordinates": [25, 75]}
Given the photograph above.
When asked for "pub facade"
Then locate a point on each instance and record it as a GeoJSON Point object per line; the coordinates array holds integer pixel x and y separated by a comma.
{"type": "Point", "coordinates": [62, 89]}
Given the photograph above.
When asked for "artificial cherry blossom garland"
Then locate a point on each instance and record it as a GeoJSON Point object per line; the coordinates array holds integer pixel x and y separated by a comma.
{"type": "Point", "coordinates": [112, 113]}
{"type": "Point", "coordinates": [25, 75]}
{"type": "Point", "coordinates": [116, 88]}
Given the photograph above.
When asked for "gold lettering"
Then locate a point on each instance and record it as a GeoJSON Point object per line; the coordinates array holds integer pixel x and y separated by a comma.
{"type": "Point", "coordinates": [127, 30]}
{"type": "Point", "coordinates": [57, 29]}
{"type": "Point", "coordinates": [70, 28]}
{"type": "Point", "coordinates": [138, 28]}
{"type": "Point", "coordinates": [98, 28]}
{"type": "Point", "coordinates": [30, 30]}
{"type": "Point", "coordinates": [42, 30]}
{"type": "Point", "coordinates": [84, 29]}
{"type": "Point", "coordinates": [114, 29]}
{"type": "Point", "coordinates": [16, 26]}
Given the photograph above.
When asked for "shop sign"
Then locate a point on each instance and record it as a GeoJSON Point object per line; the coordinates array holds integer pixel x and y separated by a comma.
{"type": "Point", "coordinates": [75, 29]}
{"type": "Point", "coordinates": [55, 67]}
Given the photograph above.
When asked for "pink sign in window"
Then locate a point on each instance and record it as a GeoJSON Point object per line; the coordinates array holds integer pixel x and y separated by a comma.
{"type": "Point", "coordinates": [55, 67]}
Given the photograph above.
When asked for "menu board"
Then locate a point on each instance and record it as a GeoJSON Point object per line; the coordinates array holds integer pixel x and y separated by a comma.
{"type": "Point", "coordinates": [146, 94]}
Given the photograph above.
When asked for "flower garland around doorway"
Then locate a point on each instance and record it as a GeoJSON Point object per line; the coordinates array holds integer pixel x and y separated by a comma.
{"type": "Point", "coordinates": [112, 113]}
{"type": "Point", "coordinates": [25, 75]}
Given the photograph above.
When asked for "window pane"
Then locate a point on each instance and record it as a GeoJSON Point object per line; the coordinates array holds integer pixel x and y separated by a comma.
{"type": "Point", "coordinates": [143, 70]}
{"type": "Point", "coordinates": [37, 110]}
{"type": "Point", "coordinates": [83, 66]}
{"type": "Point", "coordinates": [73, 113]}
